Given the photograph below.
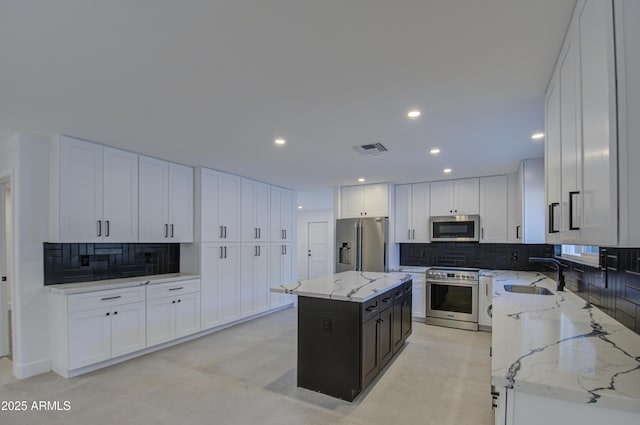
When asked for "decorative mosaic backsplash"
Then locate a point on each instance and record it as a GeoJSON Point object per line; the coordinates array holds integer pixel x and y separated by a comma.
{"type": "Point", "coordinates": [83, 262]}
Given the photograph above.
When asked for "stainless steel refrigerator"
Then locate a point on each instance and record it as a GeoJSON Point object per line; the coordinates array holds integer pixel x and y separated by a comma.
{"type": "Point", "coordinates": [361, 244]}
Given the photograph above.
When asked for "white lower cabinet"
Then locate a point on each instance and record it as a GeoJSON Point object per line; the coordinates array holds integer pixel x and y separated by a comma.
{"type": "Point", "coordinates": [90, 329]}
{"type": "Point", "coordinates": [93, 327]}
{"type": "Point", "coordinates": [173, 311]}
{"type": "Point", "coordinates": [516, 407]}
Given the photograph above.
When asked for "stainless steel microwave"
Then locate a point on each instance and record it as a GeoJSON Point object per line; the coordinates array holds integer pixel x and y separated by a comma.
{"type": "Point", "coordinates": [454, 228]}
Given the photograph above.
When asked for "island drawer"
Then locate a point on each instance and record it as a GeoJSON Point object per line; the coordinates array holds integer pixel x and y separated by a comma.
{"type": "Point", "coordinates": [370, 308]}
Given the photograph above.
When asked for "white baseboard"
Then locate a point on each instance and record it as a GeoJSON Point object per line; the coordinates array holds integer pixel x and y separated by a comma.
{"type": "Point", "coordinates": [23, 371]}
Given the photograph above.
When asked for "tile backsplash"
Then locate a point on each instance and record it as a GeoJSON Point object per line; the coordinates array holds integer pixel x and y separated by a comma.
{"type": "Point", "coordinates": [469, 254]}
{"type": "Point", "coordinates": [82, 262]}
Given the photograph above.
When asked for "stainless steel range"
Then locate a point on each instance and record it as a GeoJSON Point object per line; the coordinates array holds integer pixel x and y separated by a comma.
{"type": "Point", "coordinates": [452, 297]}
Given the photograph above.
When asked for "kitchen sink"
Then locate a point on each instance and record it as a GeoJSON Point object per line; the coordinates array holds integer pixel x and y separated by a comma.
{"type": "Point", "coordinates": [524, 289]}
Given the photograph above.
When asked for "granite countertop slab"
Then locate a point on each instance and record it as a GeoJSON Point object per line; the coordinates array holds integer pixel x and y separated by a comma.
{"type": "Point", "coordinates": [560, 346]}
{"type": "Point", "coordinates": [101, 285]}
{"type": "Point", "coordinates": [346, 286]}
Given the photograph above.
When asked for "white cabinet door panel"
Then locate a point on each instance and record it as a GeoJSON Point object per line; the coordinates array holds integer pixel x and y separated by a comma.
{"type": "Point", "coordinates": [187, 314]}
{"type": "Point", "coordinates": [161, 320]}
{"type": "Point", "coordinates": [120, 194]}
{"type": "Point", "coordinates": [210, 289]}
{"type": "Point", "coordinates": [493, 209]}
{"type": "Point", "coordinates": [403, 221]}
{"type": "Point", "coordinates": [80, 191]}
{"type": "Point", "coordinates": [420, 212]}
{"type": "Point", "coordinates": [466, 195]}
{"type": "Point", "coordinates": [153, 199]}
{"type": "Point", "coordinates": [89, 337]}
{"type": "Point", "coordinates": [180, 203]}
{"type": "Point", "coordinates": [128, 328]}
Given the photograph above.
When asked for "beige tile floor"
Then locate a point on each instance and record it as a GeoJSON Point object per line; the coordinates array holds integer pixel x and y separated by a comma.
{"type": "Point", "coordinates": [246, 375]}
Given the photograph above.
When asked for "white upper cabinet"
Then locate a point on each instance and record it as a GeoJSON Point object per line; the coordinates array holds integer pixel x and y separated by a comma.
{"type": "Point", "coordinates": [455, 197]}
{"type": "Point", "coordinates": [282, 216]}
{"type": "Point", "coordinates": [493, 209]}
{"type": "Point", "coordinates": [255, 211]}
{"type": "Point", "coordinates": [412, 213]}
{"type": "Point", "coordinates": [581, 146]}
{"type": "Point", "coordinates": [94, 193]}
{"type": "Point", "coordinates": [598, 219]}
{"type": "Point", "coordinates": [552, 161]}
{"type": "Point", "coordinates": [166, 201]}
{"type": "Point", "coordinates": [218, 206]}
{"type": "Point", "coordinates": [627, 34]}
{"type": "Point", "coordinates": [371, 200]}
{"type": "Point", "coordinates": [526, 203]}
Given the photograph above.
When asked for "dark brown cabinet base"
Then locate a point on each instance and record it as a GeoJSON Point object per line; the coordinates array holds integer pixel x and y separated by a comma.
{"type": "Point", "coordinates": [343, 345]}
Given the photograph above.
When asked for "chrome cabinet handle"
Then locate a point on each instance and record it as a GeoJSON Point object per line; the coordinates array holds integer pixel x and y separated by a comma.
{"type": "Point", "coordinates": [106, 226]}
{"type": "Point", "coordinates": [221, 232]}
{"type": "Point", "coordinates": [111, 298]}
{"type": "Point", "coordinates": [166, 230]}
{"type": "Point", "coordinates": [225, 252]}
{"type": "Point", "coordinates": [518, 232]}
{"type": "Point", "coordinates": [176, 289]}
{"type": "Point", "coordinates": [482, 233]}
{"type": "Point", "coordinates": [221, 253]}
{"type": "Point", "coordinates": [225, 232]}
{"type": "Point", "coordinates": [413, 234]}
{"type": "Point", "coordinates": [409, 234]}
{"type": "Point", "coordinates": [171, 230]}
{"type": "Point", "coordinates": [99, 228]}
{"type": "Point", "coordinates": [259, 233]}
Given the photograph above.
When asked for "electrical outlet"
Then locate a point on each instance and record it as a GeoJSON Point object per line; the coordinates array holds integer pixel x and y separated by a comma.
{"type": "Point", "coordinates": [514, 256]}
{"type": "Point", "coordinates": [84, 261]}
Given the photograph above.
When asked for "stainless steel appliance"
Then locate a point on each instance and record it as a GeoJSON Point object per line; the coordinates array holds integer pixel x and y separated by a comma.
{"type": "Point", "coordinates": [454, 228]}
{"type": "Point", "coordinates": [361, 244]}
{"type": "Point", "coordinates": [452, 297]}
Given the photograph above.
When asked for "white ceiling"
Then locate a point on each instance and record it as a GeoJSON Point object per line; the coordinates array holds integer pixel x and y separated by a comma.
{"type": "Point", "coordinates": [214, 82]}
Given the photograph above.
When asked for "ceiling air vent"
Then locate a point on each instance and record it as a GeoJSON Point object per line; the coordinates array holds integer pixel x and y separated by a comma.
{"type": "Point", "coordinates": [373, 150]}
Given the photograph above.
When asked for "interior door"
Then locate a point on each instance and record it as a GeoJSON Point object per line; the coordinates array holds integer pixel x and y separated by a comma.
{"type": "Point", "coordinates": [318, 261]}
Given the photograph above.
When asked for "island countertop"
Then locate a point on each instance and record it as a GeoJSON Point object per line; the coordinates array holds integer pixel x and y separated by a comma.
{"type": "Point", "coordinates": [346, 286]}
{"type": "Point", "coordinates": [560, 346]}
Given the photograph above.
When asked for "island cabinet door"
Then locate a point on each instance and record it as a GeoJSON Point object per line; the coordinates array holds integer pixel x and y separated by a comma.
{"type": "Point", "coordinates": [370, 350]}
{"type": "Point", "coordinates": [386, 336]}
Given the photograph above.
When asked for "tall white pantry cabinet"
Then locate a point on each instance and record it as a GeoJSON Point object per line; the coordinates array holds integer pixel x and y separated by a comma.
{"type": "Point", "coordinates": [245, 239]}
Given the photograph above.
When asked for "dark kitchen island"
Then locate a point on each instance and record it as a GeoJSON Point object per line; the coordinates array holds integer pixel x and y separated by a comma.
{"type": "Point", "coordinates": [350, 325]}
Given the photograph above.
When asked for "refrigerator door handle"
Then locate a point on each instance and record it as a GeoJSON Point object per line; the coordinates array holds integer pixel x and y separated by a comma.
{"type": "Point", "coordinates": [359, 251]}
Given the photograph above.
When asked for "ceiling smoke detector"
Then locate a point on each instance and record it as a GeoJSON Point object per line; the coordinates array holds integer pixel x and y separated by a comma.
{"type": "Point", "coordinates": [372, 150]}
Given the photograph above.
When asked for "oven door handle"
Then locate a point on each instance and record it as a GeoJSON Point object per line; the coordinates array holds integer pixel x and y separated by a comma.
{"type": "Point", "coordinates": [465, 284]}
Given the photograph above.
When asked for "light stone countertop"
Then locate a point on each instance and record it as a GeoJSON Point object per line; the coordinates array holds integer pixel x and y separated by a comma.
{"type": "Point", "coordinates": [101, 285]}
{"type": "Point", "coordinates": [346, 286]}
{"type": "Point", "coordinates": [560, 346]}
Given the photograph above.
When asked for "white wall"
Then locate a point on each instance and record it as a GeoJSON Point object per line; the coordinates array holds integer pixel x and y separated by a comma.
{"type": "Point", "coordinates": [27, 159]}
{"type": "Point", "coordinates": [321, 199]}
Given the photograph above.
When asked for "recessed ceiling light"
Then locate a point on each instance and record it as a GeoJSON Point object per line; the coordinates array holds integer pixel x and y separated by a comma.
{"type": "Point", "coordinates": [361, 179]}
{"type": "Point", "coordinates": [280, 141]}
{"type": "Point", "coordinates": [447, 170]}
{"type": "Point", "coordinates": [434, 151]}
{"type": "Point", "coordinates": [299, 207]}
{"type": "Point", "coordinates": [413, 113]}
{"type": "Point", "coordinates": [537, 136]}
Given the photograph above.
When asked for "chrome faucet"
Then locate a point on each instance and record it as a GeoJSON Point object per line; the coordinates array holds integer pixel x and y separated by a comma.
{"type": "Point", "coordinates": [555, 262]}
